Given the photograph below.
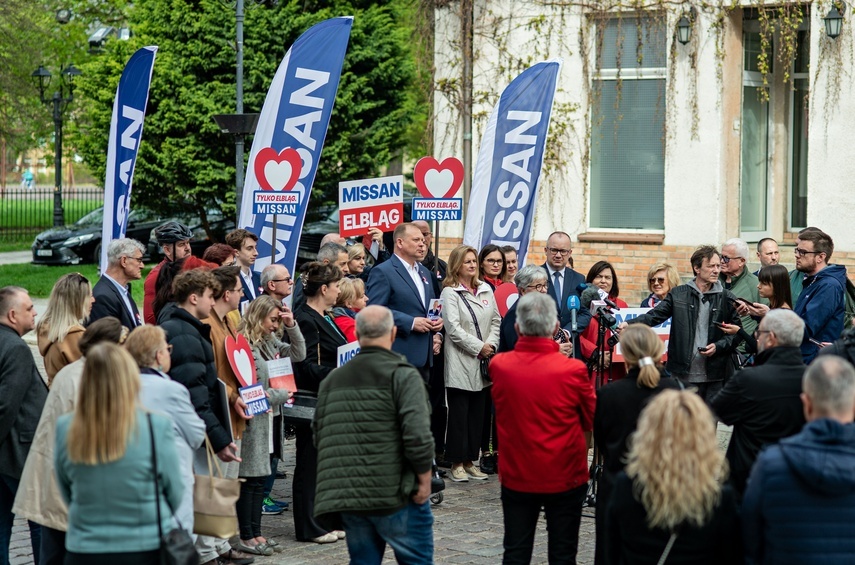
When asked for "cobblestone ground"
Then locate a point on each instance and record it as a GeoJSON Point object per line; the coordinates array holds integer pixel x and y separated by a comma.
{"type": "Point", "coordinates": [467, 524]}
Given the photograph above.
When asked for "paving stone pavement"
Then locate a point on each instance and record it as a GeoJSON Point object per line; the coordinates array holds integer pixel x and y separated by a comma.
{"type": "Point", "coordinates": [467, 525]}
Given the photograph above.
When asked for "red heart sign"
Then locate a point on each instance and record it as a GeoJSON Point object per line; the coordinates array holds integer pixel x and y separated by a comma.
{"type": "Point", "coordinates": [240, 358]}
{"type": "Point", "coordinates": [506, 295]}
{"type": "Point", "coordinates": [278, 171]}
{"type": "Point", "coordinates": [438, 180]}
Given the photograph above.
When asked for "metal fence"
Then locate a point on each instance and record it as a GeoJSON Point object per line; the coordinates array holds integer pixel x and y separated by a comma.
{"type": "Point", "coordinates": [26, 212]}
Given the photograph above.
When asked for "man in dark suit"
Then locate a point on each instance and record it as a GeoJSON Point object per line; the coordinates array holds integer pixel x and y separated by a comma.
{"type": "Point", "coordinates": [403, 285]}
{"type": "Point", "coordinates": [562, 279]}
{"type": "Point", "coordinates": [247, 250]}
{"type": "Point", "coordinates": [763, 402]}
{"type": "Point", "coordinates": [22, 397]}
{"type": "Point", "coordinates": [112, 292]}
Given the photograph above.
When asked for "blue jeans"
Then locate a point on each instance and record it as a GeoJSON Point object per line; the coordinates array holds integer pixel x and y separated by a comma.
{"type": "Point", "coordinates": [409, 531]}
{"type": "Point", "coordinates": [8, 488]}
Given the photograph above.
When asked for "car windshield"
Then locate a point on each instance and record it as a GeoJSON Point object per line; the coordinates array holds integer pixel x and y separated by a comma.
{"type": "Point", "coordinates": [96, 216]}
{"type": "Point", "coordinates": [334, 216]}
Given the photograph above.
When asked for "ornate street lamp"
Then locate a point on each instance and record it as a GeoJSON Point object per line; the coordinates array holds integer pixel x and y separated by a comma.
{"type": "Point", "coordinates": [684, 26]}
{"type": "Point", "coordinates": [60, 100]}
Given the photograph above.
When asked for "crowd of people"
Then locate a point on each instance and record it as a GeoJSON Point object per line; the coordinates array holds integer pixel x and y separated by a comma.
{"type": "Point", "coordinates": [136, 405]}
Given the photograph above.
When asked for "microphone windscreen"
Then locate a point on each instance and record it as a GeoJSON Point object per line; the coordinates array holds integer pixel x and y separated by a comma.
{"type": "Point", "coordinates": [572, 302]}
{"type": "Point", "coordinates": [589, 295]}
{"type": "Point", "coordinates": [582, 287]}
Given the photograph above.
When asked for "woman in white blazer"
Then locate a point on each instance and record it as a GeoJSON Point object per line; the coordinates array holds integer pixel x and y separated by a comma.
{"type": "Point", "coordinates": [466, 299]}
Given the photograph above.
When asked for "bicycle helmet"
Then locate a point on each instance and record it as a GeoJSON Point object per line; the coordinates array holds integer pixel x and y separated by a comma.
{"type": "Point", "coordinates": [172, 232]}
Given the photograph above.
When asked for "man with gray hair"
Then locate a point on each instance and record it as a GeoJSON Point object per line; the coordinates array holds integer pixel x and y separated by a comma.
{"type": "Point", "coordinates": [374, 461]}
{"type": "Point", "coordinates": [762, 402]}
{"type": "Point", "coordinates": [531, 278]}
{"type": "Point", "coordinates": [800, 503]}
{"type": "Point", "coordinates": [112, 292]}
{"type": "Point", "coordinates": [276, 281]}
{"type": "Point", "coordinates": [736, 278]}
{"type": "Point", "coordinates": [544, 461]}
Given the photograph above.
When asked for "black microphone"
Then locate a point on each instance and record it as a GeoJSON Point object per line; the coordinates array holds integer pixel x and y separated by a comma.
{"type": "Point", "coordinates": [589, 295]}
{"type": "Point", "coordinates": [573, 306]}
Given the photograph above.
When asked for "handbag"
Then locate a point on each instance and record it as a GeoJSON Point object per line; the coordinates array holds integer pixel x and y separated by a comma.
{"type": "Point", "coordinates": [664, 557]}
{"type": "Point", "coordinates": [484, 362]}
{"type": "Point", "coordinates": [214, 500]}
{"type": "Point", "coordinates": [301, 410]}
{"type": "Point", "coordinates": [176, 547]}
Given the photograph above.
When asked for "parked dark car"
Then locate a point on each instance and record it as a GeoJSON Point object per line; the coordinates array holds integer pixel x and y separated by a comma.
{"type": "Point", "coordinates": [218, 227]}
{"type": "Point", "coordinates": [81, 241]}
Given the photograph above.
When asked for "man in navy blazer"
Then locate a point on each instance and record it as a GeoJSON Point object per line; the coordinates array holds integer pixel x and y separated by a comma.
{"type": "Point", "coordinates": [245, 242]}
{"type": "Point", "coordinates": [558, 250]}
{"type": "Point", "coordinates": [403, 285]}
{"type": "Point", "coordinates": [112, 292]}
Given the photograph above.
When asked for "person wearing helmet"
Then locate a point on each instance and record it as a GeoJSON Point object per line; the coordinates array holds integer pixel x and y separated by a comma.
{"type": "Point", "coordinates": [174, 241]}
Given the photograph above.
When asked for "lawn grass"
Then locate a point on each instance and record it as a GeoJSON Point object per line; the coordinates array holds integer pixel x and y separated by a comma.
{"type": "Point", "coordinates": [38, 214]}
{"type": "Point", "coordinates": [16, 244]}
{"type": "Point", "coordinates": [39, 279]}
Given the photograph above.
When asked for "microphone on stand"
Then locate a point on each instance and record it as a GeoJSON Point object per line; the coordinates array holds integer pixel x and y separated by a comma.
{"type": "Point", "coordinates": [573, 305]}
{"type": "Point", "coordinates": [605, 298]}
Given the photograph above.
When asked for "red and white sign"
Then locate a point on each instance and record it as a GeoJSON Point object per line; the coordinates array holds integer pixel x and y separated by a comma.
{"type": "Point", "coordinates": [370, 203]}
{"type": "Point", "coordinates": [240, 358]}
{"type": "Point", "coordinates": [506, 296]}
{"type": "Point", "coordinates": [438, 180]}
{"type": "Point", "coordinates": [663, 330]}
{"type": "Point", "coordinates": [277, 171]}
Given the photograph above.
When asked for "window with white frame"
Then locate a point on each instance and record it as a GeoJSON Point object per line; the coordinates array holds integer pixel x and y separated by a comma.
{"type": "Point", "coordinates": [754, 181]}
{"type": "Point", "coordinates": [799, 134]}
{"type": "Point", "coordinates": [627, 125]}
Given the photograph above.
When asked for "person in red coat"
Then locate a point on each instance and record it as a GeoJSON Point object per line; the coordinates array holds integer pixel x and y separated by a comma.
{"type": "Point", "coordinates": [603, 276]}
{"type": "Point", "coordinates": [541, 417]}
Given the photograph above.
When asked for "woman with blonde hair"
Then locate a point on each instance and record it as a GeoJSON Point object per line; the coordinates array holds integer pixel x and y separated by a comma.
{"type": "Point", "coordinates": [471, 319]}
{"type": "Point", "coordinates": [105, 446]}
{"type": "Point", "coordinates": [351, 299]}
{"type": "Point", "coordinates": [61, 326]}
{"type": "Point", "coordinates": [260, 325]}
{"type": "Point", "coordinates": [618, 407]}
{"type": "Point", "coordinates": [661, 278]}
{"type": "Point", "coordinates": [670, 505]}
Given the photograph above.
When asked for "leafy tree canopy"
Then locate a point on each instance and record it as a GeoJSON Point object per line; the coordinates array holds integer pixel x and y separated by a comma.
{"type": "Point", "coordinates": [184, 159]}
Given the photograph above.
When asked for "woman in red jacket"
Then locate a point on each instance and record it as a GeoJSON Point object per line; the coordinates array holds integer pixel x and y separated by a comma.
{"type": "Point", "coordinates": [603, 276]}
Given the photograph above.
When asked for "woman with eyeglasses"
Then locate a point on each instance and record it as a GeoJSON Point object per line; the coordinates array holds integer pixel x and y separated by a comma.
{"type": "Point", "coordinates": [492, 265]}
{"type": "Point", "coordinates": [661, 278]}
{"type": "Point", "coordinates": [323, 338]}
{"type": "Point", "coordinates": [105, 469]}
{"type": "Point", "coordinates": [147, 345]}
{"type": "Point", "coordinates": [38, 497]}
{"type": "Point", "coordinates": [260, 325]}
{"type": "Point", "coordinates": [602, 275]}
{"type": "Point", "coordinates": [61, 326]}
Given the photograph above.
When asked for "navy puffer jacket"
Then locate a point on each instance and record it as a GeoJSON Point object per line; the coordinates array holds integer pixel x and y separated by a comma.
{"type": "Point", "coordinates": [799, 506]}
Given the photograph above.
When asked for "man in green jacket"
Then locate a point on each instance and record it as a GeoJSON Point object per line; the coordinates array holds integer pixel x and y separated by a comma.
{"type": "Point", "coordinates": [375, 449]}
{"type": "Point", "coordinates": [736, 278]}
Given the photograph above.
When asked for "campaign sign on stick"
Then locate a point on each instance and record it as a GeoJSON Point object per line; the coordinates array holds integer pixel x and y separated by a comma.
{"type": "Point", "coordinates": [255, 398]}
{"type": "Point", "coordinates": [663, 330]}
{"type": "Point", "coordinates": [347, 352]}
{"type": "Point", "coordinates": [268, 202]}
{"type": "Point", "coordinates": [240, 358]}
{"type": "Point", "coordinates": [370, 203]}
{"type": "Point", "coordinates": [438, 183]}
{"type": "Point", "coordinates": [506, 295]}
{"type": "Point", "coordinates": [281, 374]}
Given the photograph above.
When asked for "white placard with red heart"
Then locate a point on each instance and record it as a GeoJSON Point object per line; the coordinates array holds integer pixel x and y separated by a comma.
{"type": "Point", "coordinates": [278, 170]}
{"type": "Point", "coordinates": [240, 358]}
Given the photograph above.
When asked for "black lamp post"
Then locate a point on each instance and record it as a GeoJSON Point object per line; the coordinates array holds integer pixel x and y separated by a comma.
{"type": "Point", "coordinates": [834, 20]}
{"type": "Point", "coordinates": [684, 25]}
{"type": "Point", "coordinates": [60, 100]}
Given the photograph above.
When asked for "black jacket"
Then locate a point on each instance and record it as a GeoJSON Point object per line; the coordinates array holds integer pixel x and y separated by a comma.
{"type": "Point", "coordinates": [323, 338]}
{"type": "Point", "coordinates": [762, 404]}
{"type": "Point", "coordinates": [22, 397]}
{"type": "Point", "coordinates": [193, 366]}
{"type": "Point", "coordinates": [633, 542]}
{"type": "Point", "coordinates": [109, 302]}
{"type": "Point", "coordinates": [681, 305]}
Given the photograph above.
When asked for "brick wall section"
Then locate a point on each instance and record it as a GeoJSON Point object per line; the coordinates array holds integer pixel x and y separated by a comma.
{"type": "Point", "coordinates": [632, 261]}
